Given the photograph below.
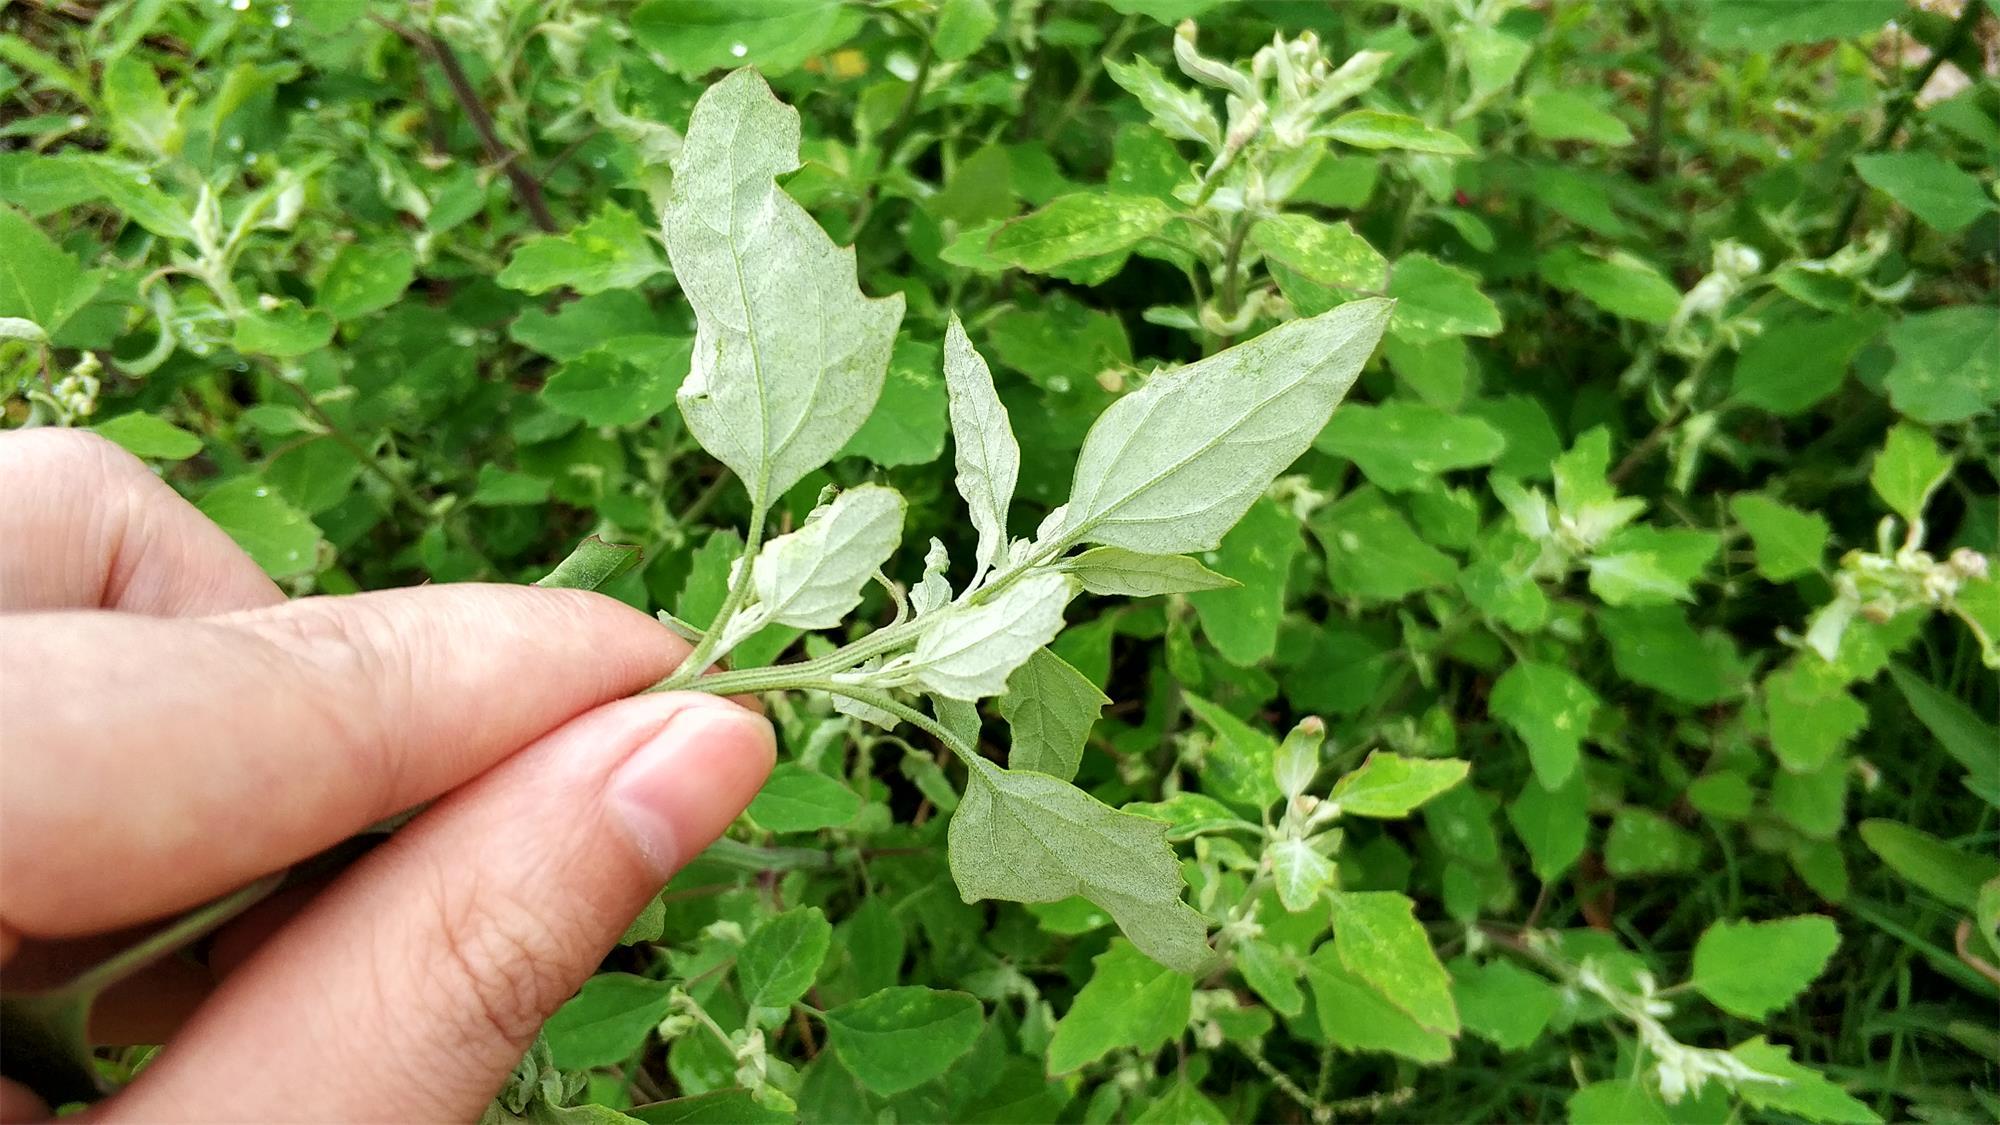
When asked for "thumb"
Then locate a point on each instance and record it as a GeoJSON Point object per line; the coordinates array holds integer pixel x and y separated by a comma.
{"type": "Point", "coordinates": [410, 989]}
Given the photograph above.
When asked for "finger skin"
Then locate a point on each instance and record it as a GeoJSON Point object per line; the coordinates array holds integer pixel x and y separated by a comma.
{"type": "Point", "coordinates": [86, 525]}
{"type": "Point", "coordinates": [411, 988]}
{"type": "Point", "coordinates": [147, 765]}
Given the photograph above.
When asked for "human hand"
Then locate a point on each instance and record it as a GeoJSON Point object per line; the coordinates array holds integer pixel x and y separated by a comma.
{"type": "Point", "coordinates": [171, 729]}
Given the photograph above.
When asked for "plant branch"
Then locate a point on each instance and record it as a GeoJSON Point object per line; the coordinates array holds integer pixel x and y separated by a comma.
{"type": "Point", "coordinates": [1961, 31]}
{"type": "Point", "coordinates": [526, 187]}
{"type": "Point", "coordinates": [705, 653]}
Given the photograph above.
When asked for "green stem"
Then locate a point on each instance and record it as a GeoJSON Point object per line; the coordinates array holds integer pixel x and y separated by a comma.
{"type": "Point", "coordinates": [1088, 77]}
{"type": "Point", "coordinates": [1284, 1082]}
{"type": "Point", "coordinates": [705, 653]}
{"type": "Point", "coordinates": [185, 929]}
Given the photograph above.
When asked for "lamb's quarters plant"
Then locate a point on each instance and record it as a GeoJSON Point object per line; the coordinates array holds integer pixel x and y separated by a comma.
{"type": "Point", "coordinates": [1593, 717]}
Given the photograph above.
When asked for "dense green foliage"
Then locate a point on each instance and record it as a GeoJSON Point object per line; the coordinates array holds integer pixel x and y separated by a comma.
{"type": "Point", "coordinates": [1631, 620]}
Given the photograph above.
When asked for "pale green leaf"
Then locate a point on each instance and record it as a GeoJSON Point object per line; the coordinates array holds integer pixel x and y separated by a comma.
{"type": "Point", "coordinates": [1028, 837]}
{"type": "Point", "coordinates": [1620, 283]}
{"type": "Point", "coordinates": [984, 450]}
{"type": "Point", "coordinates": [365, 277]}
{"type": "Point", "coordinates": [1796, 363]}
{"type": "Point", "coordinates": [1969, 739]}
{"type": "Point", "coordinates": [813, 577]}
{"type": "Point", "coordinates": [1378, 129]}
{"type": "Point", "coordinates": [1300, 248]}
{"type": "Point", "coordinates": [621, 382]}
{"type": "Point", "coordinates": [1117, 572]}
{"type": "Point", "coordinates": [592, 565]}
{"type": "Point", "coordinates": [1751, 969]}
{"type": "Point", "coordinates": [971, 649]}
{"type": "Point", "coordinates": [1172, 467]}
{"type": "Point", "coordinates": [789, 356]}
{"type": "Point", "coordinates": [1176, 111]}
{"type": "Point", "coordinates": [286, 330]}
{"type": "Point", "coordinates": [1435, 300]}
{"type": "Point", "coordinates": [1075, 227]}
{"type": "Point", "coordinates": [1943, 870]}
{"type": "Point", "coordinates": [1642, 842]}
{"type": "Point", "coordinates": [1130, 1002]}
{"type": "Point", "coordinates": [1049, 708]}
{"type": "Point", "coordinates": [1373, 553]}
{"type": "Point", "coordinates": [1300, 871]}
{"type": "Point", "coordinates": [775, 36]}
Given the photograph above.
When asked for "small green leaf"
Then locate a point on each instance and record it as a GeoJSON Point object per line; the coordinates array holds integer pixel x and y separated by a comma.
{"type": "Point", "coordinates": [1751, 969]}
{"type": "Point", "coordinates": [1810, 713]}
{"type": "Point", "coordinates": [1551, 710]}
{"type": "Point", "coordinates": [1906, 472]}
{"type": "Point", "coordinates": [286, 330]}
{"type": "Point", "coordinates": [1117, 572]}
{"type": "Point", "coordinates": [1301, 872]}
{"type": "Point", "coordinates": [984, 451]}
{"type": "Point", "coordinates": [1376, 129]}
{"type": "Point", "coordinates": [1789, 543]}
{"type": "Point", "coordinates": [902, 1037]}
{"type": "Point", "coordinates": [1355, 1017]}
{"type": "Point", "coordinates": [1075, 227]}
{"type": "Point", "coordinates": [610, 251]}
{"type": "Point", "coordinates": [1243, 615]}
{"type": "Point", "coordinates": [1947, 365]}
{"type": "Point", "coordinates": [781, 957]}
{"type": "Point", "coordinates": [908, 425]}
{"type": "Point", "coordinates": [1176, 111]}
{"type": "Point", "coordinates": [1373, 553]}
{"type": "Point", "coordinates": [39, 281]}
{"type": "Point", "coordinates": [622, 382]}
{"type": "Point", "coordinates": [1553, 824]}
{"type": "Point", "coordinates": [1946, 872]}
{"type": "Point", "coordinates": [1968, 738]}
{"type": "Point", "coordinates": [1623, 1101]}
{"type": "Point", "coordinates": [1620, 284]}
{"type": "Point", "coordinates": [149, 436]}
{"type": "Point", "coordinates": [775, 36]}
{"type": "Point", "coordinates": [1503, 1003]}
{"type": "Point", "coordinates": [593, 565]}
{"type": "Point", "coordinates": [273, 533]}
{"type": "Point", "coordinates": [1800, 1091]}
{"type": "Point", "coordinates": [1237, 764]}
{"type": "Point", "coordinates": [1400, 445]}
{"type": "Point", "coordinates": [1434, 301]}
{"type": "Point", "coordinates": [1380, 940]}
{"type": "Point", "coordinates": [796, 799]}
{"type": "Point", "coordinates": [1306, 256]}
{"type": "Point", "coordinates": [1568, 115]}
{"type": "Point", "coordinates": [365, 277]}
{"type": "Point", "coordinates": [1642, 842]}
{"type": "Point", "coordinates": [606, 1021]}
{"type": "Point", "coordinates": [1390, 786]}
{"type": "Point", "coordinates": [1130, 1002]}
{"type": "Point", "coordinates": [1946, 197]}
{"type": "Point", "coordinates": [1050, 708]}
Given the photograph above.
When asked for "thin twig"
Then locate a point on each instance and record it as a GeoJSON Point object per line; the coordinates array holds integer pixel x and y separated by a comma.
{"type": "Point", "coordinates": [525, 185]}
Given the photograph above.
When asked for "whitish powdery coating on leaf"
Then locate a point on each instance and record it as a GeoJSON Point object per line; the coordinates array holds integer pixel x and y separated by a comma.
{"type": "Point", "coordinates": [988, 457]}
{"type": "Point", "coordinates": [789, 356]}
{"type": "Point", "coordinates": [812, 578]}
{"type": "Point", "coordinates": [1171, 468]}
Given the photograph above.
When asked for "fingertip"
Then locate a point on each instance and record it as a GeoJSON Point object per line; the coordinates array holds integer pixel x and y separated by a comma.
{"type": "Point", "coordinates": [681, 788]}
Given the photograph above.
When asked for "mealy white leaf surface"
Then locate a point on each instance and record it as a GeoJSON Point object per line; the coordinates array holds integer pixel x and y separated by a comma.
{"type": "Point", "coordinates": [984, 449]}
{"type": "Point", "coordinates": [813, 577]}
{"type": "Point", "coordinates": [969, 652]}
{"type": "Point", "coordinates": [789, 355]}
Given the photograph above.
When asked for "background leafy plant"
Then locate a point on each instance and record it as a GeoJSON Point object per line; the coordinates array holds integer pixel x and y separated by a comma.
{"type": "Point", "coordinates": [1652, 550]}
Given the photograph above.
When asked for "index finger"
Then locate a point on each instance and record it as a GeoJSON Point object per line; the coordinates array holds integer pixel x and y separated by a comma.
{"type": "Point", "coordinates": [149, 764]}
